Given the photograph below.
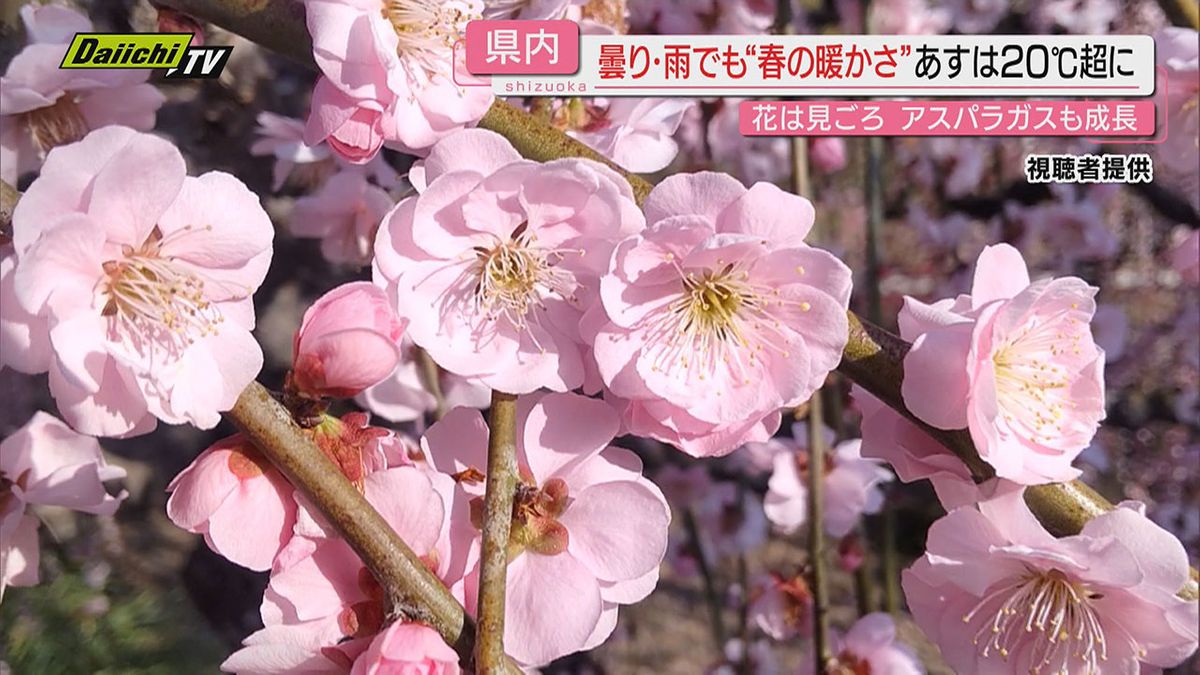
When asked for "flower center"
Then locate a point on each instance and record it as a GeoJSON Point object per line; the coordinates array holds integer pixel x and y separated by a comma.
{"type": "Point", "coordinates": [1048, 608]}
{"type": "Point", "coordinates": [428, 29]}
{"type": "Point", "coordinates": [535, 513]}
{"type": "Point", "coordinates": [1032, 382]}
{"type": "Point", "coordinates": [57, 124]}
{"type": "Point", "coordinates": [153, 297]}
{"type": "Point", "coordinates": [719, 317]}
{"type": "Point", "coordinates": [848, 663]}
{"type": "Point", "coordinates": [512, 276]}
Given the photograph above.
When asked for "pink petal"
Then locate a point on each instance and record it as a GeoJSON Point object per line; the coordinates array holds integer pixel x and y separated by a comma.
{"type": "Point", "coordinates": [564, 431]}
{"type": "Point", "coordinates": [619, 529]}
{"type": "Point", "coordinates": [936, 385]}
{"type": "Point", "coordinates": [765, 211]}
{"type": "Point", "coordinates": [539, 626]}
{"type": "Point", "coordinates": [1000, 274]}
{"type": "Point", "coordinates": [705, 194]}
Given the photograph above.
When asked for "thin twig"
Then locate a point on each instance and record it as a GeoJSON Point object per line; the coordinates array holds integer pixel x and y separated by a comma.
{"type": "Point", "coordinates": [1183, 13]}
{"type": "Point", "coordinates": [8, 203]}
{"type": "Point", "coordinates": [816, 532]}
{"type": "Point", "coordinates": [497, 524]}
{"type": "Point", "coordinates": [711, 598]}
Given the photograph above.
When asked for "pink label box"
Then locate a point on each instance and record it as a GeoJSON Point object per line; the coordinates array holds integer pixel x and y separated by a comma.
{"type": "Point", "coordinates": [512, 47]}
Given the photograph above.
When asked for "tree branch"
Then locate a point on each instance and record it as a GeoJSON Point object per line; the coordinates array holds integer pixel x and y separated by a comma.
{"type": "Point", "coordinates": [1184, 13]}
{"type": "Point", "coordinates": [497, 525]}
{"type": "Point", "coordinates": [8, 203]}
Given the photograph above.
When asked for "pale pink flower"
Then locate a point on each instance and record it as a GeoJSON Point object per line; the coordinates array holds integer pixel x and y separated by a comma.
{"type": "Point", "coordinates": [407, 648]}
{"type": "Point", "coordinates": [730, 520]}
{"type": "Point", "coordinates": [174, 21]}
{"type": "Point", "coordinates": [589, 532]}
{"type": "Point", "coordinates": [45, 463]}
{"type": "Point", "coordinates": [322, 605]}
{"type": "Point", "coordinates": [283, 138]}
{"type": "Point", "coordinates": [636, 133]}
{"type": "Point", "coordinates": [348, 341]}
{"type": "Point", "coordinates": [403, 396]}
{"type": "Point", "coordinates": [914, 454]}
{"type": "Point", "coordinates": [238, 500]}
{"type": "Point", "coordinates": [145, 276]}
{"type": "Point", "coordinates": [827, 153]}
{"type": "Point", "coordinates": [757, 658]}
{"type": "Point", "coordinates": [495, 261]}
{"type": "Point", "coordinates": [1176, 50]}
{"type": "Point", "coordinates": [1013, 362]}
{"type": "Point", "coordinates": [43, 106]}
{"type": "Point", "coordinates": [781, 607]}
{"type": "Point", "coordinates": [997, 593]}
{"type": "Point", "coordinates": [344, 214]}
{"type": "Point", "coordinates": [719, 313]}
{"type": "Point", "coordinates": [667, 422]}
{"type": "Point", "coordinates": [851, 487]}
{"type": "Point", "coordinates": [870, 646]}
{"type": "Point", "coordinates": [389, 74]}
{"type": "Point", "coordinates": [24, 337]}
{"type": "Point", "coordinates": [750, 159]}
{"type": "Point", "coordinates": [1185, 258]}
{"type": "Point", "coordinates": [1067, 232]}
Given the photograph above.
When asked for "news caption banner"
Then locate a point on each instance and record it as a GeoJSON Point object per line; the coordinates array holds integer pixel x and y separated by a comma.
{"type": "Point", "coordinates": [551, 58]}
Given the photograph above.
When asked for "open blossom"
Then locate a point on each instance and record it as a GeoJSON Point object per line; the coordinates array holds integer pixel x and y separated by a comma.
{"type": "Point", "coordinates": [349, 340]}
{"type": "Point", "coordinates": [870, 646]}
{"type": "Point", "coordinates": [283, 138]}
{"type": "Point", "coordinates": [850, 486]}
{"type": "Point", "coordinates": [997, 593]}
{"type": "Point", "coordinates": [24, 337]}
{"type": "Point", "coordinates": [636, 133]}
{"type": "Point", "coordinates": [344, 214]}
{"type": "Point", "coordinates": [1067, 232]}
{"type": "Point", "coordinates": [718, 313]}
{"type": "Point", "coordinates": [45, 463]}
{"type": "Point", "coordinates": [1013, 362]}
{"type": "Point", "coordinates": [495, 261]}
{"type": "Point", "coordinates": [323, 608]}
{"type": "Point", "coordinates": [43, 106]}
{"type": "Point", "coordinates": [588, 531]}
{"type": "Point", "coordinates": [403, 396]}
{"type": "Point", "coordinates": [238, 500]}
{"type": "Point", "coordinates": [781, 607]}
{"type": "Point", "coordinates": [388, 74]}
{"type": "Point", "coordinates": [145, 277]}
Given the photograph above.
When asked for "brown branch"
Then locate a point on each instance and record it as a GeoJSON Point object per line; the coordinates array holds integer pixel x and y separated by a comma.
{"type": "Point", "coordinates": [816, 533]}
{"type": "Point", "coordinates": [415, 592]}
{"type": "Point", "coordinates": [431, 378]}
{"type": "Point", "coordinates": [497, 525]}
{"type": "Point", "coordinates": [8, 203]}
{"type": "Point", "coordinates": [1183, 13]}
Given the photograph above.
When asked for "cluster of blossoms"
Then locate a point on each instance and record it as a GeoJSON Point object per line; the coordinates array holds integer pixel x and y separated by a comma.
{"type": "Point", "coordinates": [697, 319]}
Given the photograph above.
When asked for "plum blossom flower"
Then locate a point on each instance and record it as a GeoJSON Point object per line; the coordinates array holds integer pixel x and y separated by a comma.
{"type": "Point", "coordinates": [283, 138]}
{"type": "Point", "coordinates": [781, 606]}
{"type": "Point", "coordinates": [1176, 50]}
{"type": "Point", "coordinates": [719, 314]}
{"type": "Point", "coordinates": [238, 500]}
{"type": "Point", "coordinates": [997, 593]}
{"type": "Point", "coordinates": [407, 648]}
{"type": "Point", "coordinates": [145, 277]}
{"type": "Point", "coordinates": [1067, 232]}
{"type": "Point", "coordinates": [730, 521]}
{"type": "Point", "coordinates": [344, 214]}
{"type": "Point", "coordinates": [495, 261]}
{"type": "Point", "coordinates": [870, 646]}
{"type": "Point", "coordinates": [324, 609]}
{"type": "Point", "coordinates": [636, 133]}
{"type": "Point", "coordinates": [827, 153]}
{"type": "Point", "coordinates": [43, 106]}
{"type": "Point", "coordinates": [349, 340]}
{"type": "Point", "coordinates": [389, 74]}
{"type": "Point", "coordinates": [403, 396]}
{"type": "Point", "coordinates": [1013, 362]}
{"type": "Point", "coordinates": [45, 463]}
{"type": "Point", "coordinates": [588, 532]}
{"type": "Point", "coordinates": [851, 486]}
{"type": "Point", "coordinates": [24, 337]}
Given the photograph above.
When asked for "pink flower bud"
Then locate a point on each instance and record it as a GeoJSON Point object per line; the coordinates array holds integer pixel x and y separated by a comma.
{"type": "Point", "coordinates": [827, 153]}
{"type": "Point", "coordinates": [348, 341]}
{"type": "Point", "coordinates": [173, 21]}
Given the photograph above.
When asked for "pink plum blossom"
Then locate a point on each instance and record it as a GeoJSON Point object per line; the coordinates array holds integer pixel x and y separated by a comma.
{"type": "Point", "coordinates": [403, 396]}
{"type": "Point", "coordinates": [344, 214]}
{"type": "Point", "coordinates": [43, 106]}
{"type": "Point", "coordinates": [827, 153]}
{"type": "Point", "coordinates": [1068, 231]}
{"type": "Point", "coordinates": [997, 593]}
{"type": "Point", "coordinates": [45, 463]}
{"type": "Point", "coordinates": [730, 521]}
{"type": "Point", "coordinates": [850, 487]}
{"type": "Point", "coordinates": [389, 74]}
{"type": "Point", "coordinates": [719, 314]}
{"type": "Point", "coordinates": [1176, 50]}
{"type": "Point", "coordinates": [238, 500]}
{"type": "Point", "coordinates": [283, 138]}
{"type": "Point", "coordinates": [407, 648]}
{"type": "Point", "coordinates": [589, 532]}
{"type": "Point", "coordinates": [348, 341]}
{"type": "Point", "coordinates": [24, 337]}
{"type": "Point", "coordinates": [495, 261]}
{"type": "Point", "coordinates": [324, 608]}
{"type": "Point", "coordinates": [780, 606]}
{"type": "Point", "coordinates": [870, 646]}
{"type": "Point", "coordinates": [145, 277]}
{"type": "Point", "coordinates": [636, 133]}
{"type": "Point", "coordinates": [1014, 362]}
